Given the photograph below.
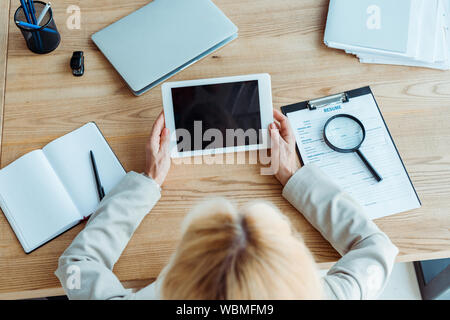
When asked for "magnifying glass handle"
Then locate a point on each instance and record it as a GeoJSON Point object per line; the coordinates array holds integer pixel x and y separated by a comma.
{"type": "Point", "coordinates": [369, 166]}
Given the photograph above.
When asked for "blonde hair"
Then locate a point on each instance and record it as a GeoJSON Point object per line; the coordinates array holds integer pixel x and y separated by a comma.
{"type": "Point", "coordinates": [247, 254]}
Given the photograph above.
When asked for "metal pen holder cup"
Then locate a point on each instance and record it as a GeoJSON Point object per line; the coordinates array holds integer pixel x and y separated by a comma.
{"type": "Point", "coordinates": [42, 40]}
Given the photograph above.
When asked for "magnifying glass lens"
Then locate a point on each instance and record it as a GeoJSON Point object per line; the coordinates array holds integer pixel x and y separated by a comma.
{"type": "Point", "coordinates": [344, 133]}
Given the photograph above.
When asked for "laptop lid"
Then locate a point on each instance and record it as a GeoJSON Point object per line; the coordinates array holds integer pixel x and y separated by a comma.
{"type": "Point", "coordinates": [162, 38]}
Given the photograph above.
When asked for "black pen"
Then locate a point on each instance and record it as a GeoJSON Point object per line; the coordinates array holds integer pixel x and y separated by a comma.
{"type": "Point", "coordinates": [100, 190]}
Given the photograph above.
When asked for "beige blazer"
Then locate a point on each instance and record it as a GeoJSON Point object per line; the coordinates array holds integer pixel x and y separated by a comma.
{"type": "Point", "coordinates": [85, 268]}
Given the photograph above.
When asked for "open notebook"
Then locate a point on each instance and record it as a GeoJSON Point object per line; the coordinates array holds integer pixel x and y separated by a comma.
{"type": "Point", "coordinates": [46, 192]}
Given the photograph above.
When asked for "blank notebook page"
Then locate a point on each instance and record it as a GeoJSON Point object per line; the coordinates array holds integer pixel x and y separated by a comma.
{"type": "Point", "coordinates": [37, 204]}
{"type": "Point", "coordinates": [70, 158]}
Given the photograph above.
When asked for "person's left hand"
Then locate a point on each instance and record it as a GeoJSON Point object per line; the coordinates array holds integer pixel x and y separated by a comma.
{"type": "Point", "coordinates": [157, 151]}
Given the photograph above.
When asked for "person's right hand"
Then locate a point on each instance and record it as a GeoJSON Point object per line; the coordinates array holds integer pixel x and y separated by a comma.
{"type": "Point", "coordinates": [283, 147]}
{"type": "Point", "coordinates": [157, 151]}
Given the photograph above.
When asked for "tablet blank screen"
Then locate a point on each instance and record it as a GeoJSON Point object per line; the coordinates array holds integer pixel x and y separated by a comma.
{"type": "Point", "coordinates": [218, 106]}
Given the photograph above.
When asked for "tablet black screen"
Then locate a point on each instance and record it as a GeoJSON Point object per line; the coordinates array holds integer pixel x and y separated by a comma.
{"type": "Point", "coordinates": [218, 106]}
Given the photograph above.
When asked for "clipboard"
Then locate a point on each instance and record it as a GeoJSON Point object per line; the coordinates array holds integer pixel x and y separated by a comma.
{"type": "Point", "coordinates": [343, 97]}
{"type": "Point", "coordinates": [324, 108]}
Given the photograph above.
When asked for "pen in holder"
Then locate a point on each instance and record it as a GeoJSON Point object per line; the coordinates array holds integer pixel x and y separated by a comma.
{"type": "Point", "coordinates": [40, 37]}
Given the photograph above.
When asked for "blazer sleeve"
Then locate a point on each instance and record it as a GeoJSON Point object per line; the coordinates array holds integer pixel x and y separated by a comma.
{"type": "Point", "coordinates": [368, 255]}
{"type": "Point", "coordinates": [85, 268]}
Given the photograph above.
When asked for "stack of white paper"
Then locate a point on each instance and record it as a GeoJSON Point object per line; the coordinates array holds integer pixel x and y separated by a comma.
{"type": "Point", "coordinates": [400, 32]}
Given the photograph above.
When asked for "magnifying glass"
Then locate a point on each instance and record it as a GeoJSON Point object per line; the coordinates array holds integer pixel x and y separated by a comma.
{"type": "Point", "coordinates": [345, 133]}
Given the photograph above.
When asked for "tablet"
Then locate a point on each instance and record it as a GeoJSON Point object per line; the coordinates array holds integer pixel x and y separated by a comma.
{"type": "Point", "coordinates": [221, 115]}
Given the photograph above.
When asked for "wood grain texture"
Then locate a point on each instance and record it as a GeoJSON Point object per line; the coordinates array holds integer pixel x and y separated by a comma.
{"type": "Point", "coordinates": [4, 27]}
{"type": "Point", "coordinates": [285, 39]}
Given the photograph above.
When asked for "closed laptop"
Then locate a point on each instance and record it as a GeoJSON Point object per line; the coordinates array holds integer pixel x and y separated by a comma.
{"type": "Point", "coordinates": [162, 38]}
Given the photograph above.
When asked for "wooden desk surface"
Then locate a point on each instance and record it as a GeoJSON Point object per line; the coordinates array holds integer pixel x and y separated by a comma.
{"type": "Point", "coordinates": [44, 101]}
{"type": "Point", "coordinates": [4, 26]}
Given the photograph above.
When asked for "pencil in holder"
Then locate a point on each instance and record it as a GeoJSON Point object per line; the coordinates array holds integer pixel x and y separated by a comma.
{"type": "Point", "coordinates": [42, 38]}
